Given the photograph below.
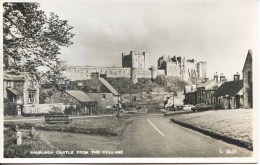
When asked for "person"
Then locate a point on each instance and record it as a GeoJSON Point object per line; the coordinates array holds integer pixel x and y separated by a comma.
{"type": "Point", "coordinates": [18, 136]}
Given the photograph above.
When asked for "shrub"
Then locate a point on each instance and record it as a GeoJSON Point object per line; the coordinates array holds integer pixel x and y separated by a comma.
{"type": "Point", "coordinates": [10, 109]}
{"type": "Point", "coordinates": [69, 110]}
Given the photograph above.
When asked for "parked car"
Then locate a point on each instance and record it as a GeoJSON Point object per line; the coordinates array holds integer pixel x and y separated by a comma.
{"type": "Point", "coordinates": [201, 107]}
{"type": "Point", "coordinates": [187, 107]}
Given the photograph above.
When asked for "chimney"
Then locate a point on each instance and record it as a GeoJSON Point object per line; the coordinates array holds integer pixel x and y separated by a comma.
{"type": "Point", "coordinates": [222, 78]}
{"type": "Point", "coordinates": [216, 77]}
{"type": "Point", "coordinates": [236, 77]}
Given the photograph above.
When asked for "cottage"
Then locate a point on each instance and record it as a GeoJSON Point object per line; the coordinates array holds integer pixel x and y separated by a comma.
{"type": "Point", "coordinates": [76, 98]}
{"type": "Point", "coordinates": [248, 81]}
{"type": "Point", "coordinates": [229, 95]}
{"type": "Point", "coordinates": [21, 90]}
{"type": "Point", "coordinates": [99, 89]}
{"type": "Point", "coordinates": [207, 89]}
{"type": "Point", "coordinates": [189, 94]}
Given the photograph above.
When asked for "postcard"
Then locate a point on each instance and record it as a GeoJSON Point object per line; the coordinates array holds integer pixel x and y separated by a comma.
{"type": "Point", "coordinates": [129, 81]}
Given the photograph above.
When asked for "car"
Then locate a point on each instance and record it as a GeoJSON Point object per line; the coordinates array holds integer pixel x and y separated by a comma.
{"type": "Point", "coordinates": [187, 107]}
{"type": "Point", "coordinates": [201, 107]}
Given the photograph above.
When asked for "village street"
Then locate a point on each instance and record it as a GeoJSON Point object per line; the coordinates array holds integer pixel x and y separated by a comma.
{"type": "Point", "coordinates": [148, 135]}
{"type": "Point", "coordinates": [152, 135]}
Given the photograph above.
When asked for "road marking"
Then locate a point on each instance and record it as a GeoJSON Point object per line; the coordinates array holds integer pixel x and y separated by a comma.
{"type": "Point", "coordinates": [155, 127]}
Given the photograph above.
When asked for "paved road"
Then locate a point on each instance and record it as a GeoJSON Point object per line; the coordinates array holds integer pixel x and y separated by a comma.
{"type": "Point", "coordinates": [152, 135]}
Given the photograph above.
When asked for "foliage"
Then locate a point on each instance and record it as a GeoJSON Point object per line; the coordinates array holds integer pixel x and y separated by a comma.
{"type": "Point", "coordinates": [69, 110]}
{"type": "Point", "coordinates": [23, 151]}
{"type": "Point", "coordinates": [32, 41]}
{"type": "Point", "coordinates": [10, 109]}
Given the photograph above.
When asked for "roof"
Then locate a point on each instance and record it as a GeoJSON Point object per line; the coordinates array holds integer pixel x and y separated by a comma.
{"type": "Point", "coordinates": [108, 86]}
{"type": "Point", "coordinates": [14, 91]}
{"type": "Point", "coordinates": [231, 88]}
{"type": "Point", "coordinates": [206, 84]}
{"type": "Point", "coordinates": [80, 95]}
{"type": "Point", "coordinates": [213, 86]}
{"type": "Point", "coordinates": [189, 88]}
{"type": "Point", "coordinates": [248, 59]}
{"type": "Point", "coordinates": [12, 77]}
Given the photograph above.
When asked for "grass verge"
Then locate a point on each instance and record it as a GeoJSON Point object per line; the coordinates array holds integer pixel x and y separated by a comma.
{"type": "Point", "coordinates": [104, 126]}
{"type": "Point", "coordinates": [233, 126]}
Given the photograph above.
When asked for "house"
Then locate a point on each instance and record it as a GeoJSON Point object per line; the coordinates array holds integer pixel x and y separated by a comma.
{"type": "Point", "coordinates": [229, 95]}
{"type": "Point", "coordinates": [99, 89]}
{"type": "Point", "coordinates": [22, 90]}
{"type": "Point", "coordinates": [189, 95]}
{"type": "Point", "coordinates": [207, 89]}
{"type": "Point", "coordinates": [248, 81]}
{"type": "Point", "coordinates": [76, 98]}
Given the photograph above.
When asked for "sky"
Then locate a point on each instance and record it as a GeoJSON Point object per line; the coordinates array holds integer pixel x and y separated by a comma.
{"type": "Point", "coordinates": [217, 31]}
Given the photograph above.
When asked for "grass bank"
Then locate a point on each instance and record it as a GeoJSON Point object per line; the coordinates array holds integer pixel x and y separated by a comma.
{"type": "Point", "coordinates": [234, 126]}
{"type": "Point", "coordinates": [104, 126]}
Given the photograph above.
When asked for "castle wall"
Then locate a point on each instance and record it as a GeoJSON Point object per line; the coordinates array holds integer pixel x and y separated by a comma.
{"type": "Point", "coordinates": [84, 72]}
{"type": "Point", "coordinates": [160, 72]}
{"type": "Point", "coordinates": [172, 69]}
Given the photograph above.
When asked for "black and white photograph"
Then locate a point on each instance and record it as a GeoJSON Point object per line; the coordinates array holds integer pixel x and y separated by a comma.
{"type": "Point", "coordinates": [129, 81]}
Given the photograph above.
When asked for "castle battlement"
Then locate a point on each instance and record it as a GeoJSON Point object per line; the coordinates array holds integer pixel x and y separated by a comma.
{"type": "Point", "coordinates": [136, 65]}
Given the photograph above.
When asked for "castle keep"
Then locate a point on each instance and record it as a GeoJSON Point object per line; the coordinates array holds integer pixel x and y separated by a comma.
{"type": "Point", "coordinates": [136, 65]}
{"type": "Point", "coordinates": [180, 67]}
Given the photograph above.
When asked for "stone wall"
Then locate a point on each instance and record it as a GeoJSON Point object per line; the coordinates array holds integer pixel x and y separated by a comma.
{"type": "Point", "coordinates": [104, 103]}
{"type": "Point", "coordinates": [43, 108]}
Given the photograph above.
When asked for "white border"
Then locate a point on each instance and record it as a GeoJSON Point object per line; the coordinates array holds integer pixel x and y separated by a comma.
{"type": "Point", "coordinates": [254, 159]}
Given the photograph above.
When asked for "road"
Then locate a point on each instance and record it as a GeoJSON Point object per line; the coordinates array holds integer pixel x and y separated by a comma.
{"type": "Point", "coordinates": [148, 135]}
{"type": "Point", "coordinates": [152, 135]}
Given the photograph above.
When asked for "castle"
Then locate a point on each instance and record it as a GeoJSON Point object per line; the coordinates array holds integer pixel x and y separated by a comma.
{"type": "Point", "coordinates": [136, 65]}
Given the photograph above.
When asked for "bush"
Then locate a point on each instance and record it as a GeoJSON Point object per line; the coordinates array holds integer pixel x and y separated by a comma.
{"type": "Point", "coordinates": [69, 110]}
{"type": "Point", "coordinates": [10, 109]}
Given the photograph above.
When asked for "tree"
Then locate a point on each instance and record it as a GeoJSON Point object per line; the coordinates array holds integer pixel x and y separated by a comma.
{"type": "Point", "coordinates": [32, 41]}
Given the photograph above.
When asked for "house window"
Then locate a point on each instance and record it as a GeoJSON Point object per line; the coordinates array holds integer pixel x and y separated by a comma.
{"type": "Point", "coordinates": [32, 96]}
{"type": "Point", "coordinates": [103, 96]}
{"type": "Point", "coordinates": [8, 83]}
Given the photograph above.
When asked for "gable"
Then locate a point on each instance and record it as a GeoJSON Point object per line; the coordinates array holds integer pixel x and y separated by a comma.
{"type": "Point", "coordinates": [248, 61]}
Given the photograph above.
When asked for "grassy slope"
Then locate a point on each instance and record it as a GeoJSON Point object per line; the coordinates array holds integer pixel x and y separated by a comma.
{"type": "Point", "coordinates": [106, 126]}
{"type": "Point", "coordinates": [234, 124]}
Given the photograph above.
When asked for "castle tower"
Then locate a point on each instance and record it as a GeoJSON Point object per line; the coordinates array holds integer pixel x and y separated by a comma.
{"type": "Point", "coordinates": [202, 69]}
{"type": "Point", "coordinates": [146, 60]}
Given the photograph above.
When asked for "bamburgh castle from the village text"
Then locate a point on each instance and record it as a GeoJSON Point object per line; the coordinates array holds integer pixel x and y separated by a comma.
{"type": "Point", "coordinates": [136, 65]}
